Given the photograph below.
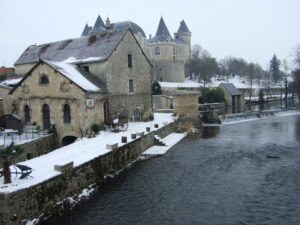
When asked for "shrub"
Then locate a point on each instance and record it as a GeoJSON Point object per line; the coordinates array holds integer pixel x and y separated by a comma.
{"type": "Point", "coordinates": [97, 127]}
{"type": "Point", "coordinates": [156, 89]}
{"type": "Point", "coordinates": [211, 95]}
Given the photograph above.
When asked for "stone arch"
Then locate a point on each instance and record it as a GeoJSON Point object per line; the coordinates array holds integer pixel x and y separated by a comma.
{"type": "Point", "coordinates": [69, 139]}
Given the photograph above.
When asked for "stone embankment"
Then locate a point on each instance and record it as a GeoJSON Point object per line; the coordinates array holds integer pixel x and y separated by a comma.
{"type": "Point", "coordinates": [50, 198]}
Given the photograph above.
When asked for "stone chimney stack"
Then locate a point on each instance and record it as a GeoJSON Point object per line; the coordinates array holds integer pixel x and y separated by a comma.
{"type": "Point", "coordinates": [108, 25]}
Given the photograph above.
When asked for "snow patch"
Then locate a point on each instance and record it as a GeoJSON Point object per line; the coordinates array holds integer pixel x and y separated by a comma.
{"type": "Point", "coordinates": [170, 141]}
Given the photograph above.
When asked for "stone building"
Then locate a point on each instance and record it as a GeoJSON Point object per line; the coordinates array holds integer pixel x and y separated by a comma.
{"type": "Point", "coordinates": [168, 55]}
{"type": "Point", "coordinates": [78, 82]}
{"type": "Point", "coordinates": [6, 71]}
{"type": "Point", "coordinates": [233, 97]}
{"type": "Point", "coordinates": [5, 100]}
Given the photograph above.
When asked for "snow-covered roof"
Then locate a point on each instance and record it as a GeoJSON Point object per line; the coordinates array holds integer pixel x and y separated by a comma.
{"type": "Point", "coordinates": [10, 81]}
{"type": "Point", "coordinates": [98, 46]}
{"type": "Point", "coordinates": [231, 88]}
{"type": "Point", "coordinates": [86, 81]}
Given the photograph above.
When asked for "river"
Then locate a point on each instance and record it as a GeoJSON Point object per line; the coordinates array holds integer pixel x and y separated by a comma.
{"type": "Point", "coordinates": [242, 173]}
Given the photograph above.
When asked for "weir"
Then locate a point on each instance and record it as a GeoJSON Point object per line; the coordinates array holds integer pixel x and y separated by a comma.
{"type": "Point", "coordinates": [248, 115]}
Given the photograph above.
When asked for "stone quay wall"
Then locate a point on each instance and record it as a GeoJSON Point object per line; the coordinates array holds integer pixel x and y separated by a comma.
{"type": "Point", "coordinates": [35, 148]}
{"type": "Point", "coordinates": [50, 198]}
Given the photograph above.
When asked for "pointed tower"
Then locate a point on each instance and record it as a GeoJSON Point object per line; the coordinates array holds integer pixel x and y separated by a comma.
{"type": "Point", "coordinates": [99, 26]}
{"type": "Point", "coordinates": [184, 35]}
{"type": "Point", "coordinates": [162, 33]}
{"type": "Point", "coordinates": [86, 30]}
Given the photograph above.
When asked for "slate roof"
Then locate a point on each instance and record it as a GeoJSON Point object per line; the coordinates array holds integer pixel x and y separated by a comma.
{"type": "Point", "coordinates": [99, 45]}
{"type": "Point", "coordinates": [162, 33]}
{"type": "Point", "coordinates": [183, 28]}
{"type": "Point", "coordinates": [86, 30]}
{"type": "Point", "coordinates": [99, 26]}
{"type": "Point", "coordinates": [231, 88]}
{"type": "Point", "coordinates": [128, 24]}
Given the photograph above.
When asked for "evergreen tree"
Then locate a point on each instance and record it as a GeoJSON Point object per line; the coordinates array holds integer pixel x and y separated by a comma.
{"type": "Point", "coordinates": [6, 155]}
{"type": "Point", "coordinates": [274, 69]}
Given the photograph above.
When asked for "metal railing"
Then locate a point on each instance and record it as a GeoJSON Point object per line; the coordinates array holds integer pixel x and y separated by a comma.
{"type": "Point", "coordinates": [13, 136]}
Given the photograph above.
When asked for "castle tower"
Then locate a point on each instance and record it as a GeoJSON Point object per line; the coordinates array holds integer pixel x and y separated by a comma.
{"type": "Point", "coordinates": [86, 30]}
{"type": "Point", "coordinates": [162, 33]}
{"type": "Point", "coordinates": [162, 50]}
{"type": "Point", "coordinates": [184, 35]}
{"type": "Point", "coordinates": [160, 47]}
{"type": "Point", "coordinates": [99, 26]}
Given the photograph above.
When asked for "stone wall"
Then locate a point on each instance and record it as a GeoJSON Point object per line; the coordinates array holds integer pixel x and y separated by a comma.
{"type": "Point", "coordinates": [161, 102]}
{"type": "Point", "coordinates": [24, 68]}
{"type": "Point", "coordinates": [36, 148]}
{"type": "Point", "coordinates": [186, 104]}
{"type": "Point", "coordinates": [6, 99]}
{"type": "Point", "coordinates": [169, 71]}
{"type": "Point", "coordinates": [50, 197]}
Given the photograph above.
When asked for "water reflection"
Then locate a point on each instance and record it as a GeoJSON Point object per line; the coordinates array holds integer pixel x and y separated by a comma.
{"type": "Point", "coordinates": [225, 177]}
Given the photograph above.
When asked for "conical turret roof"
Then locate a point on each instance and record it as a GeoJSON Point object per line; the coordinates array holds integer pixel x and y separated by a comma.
{"type": "Point", "coordinates": [183, 28]}
{"type": "Point", "coordinates": [99, 26]}
{"type": "Point", "coordinates": [86, 30]}
{"type": "Point", "coordinates": [162, 33]}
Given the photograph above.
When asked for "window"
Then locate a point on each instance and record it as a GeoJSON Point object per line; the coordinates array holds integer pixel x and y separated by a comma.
{"type": "Point", "coordinates": [137, 115]}
{"type": "Point", "coordinates": [27, 113]}
{"type": "Point", "coordinates": [67, 114]}
{"type": "Point", "coordinates": [44, 80]}
{"type": "Point", "coordinates": [174, 50]}
{"type": "Point", "coordinates": [129, 60]}
{"type": "Point", "coordinates": [130, 85]}
{"type": "Point", "coordinates": [86, 68]}
{"type": "Point", "coordinates": [46, 116]}
{"type": "Point", "coordinates": [157, 51]}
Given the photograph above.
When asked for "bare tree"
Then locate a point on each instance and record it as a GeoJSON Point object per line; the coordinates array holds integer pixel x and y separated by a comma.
{"type": "Point", "coordinates": [297, 55]}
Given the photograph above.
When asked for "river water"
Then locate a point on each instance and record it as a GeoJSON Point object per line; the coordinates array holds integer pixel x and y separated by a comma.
{"type": "Point", "coordinates": [242, 173]}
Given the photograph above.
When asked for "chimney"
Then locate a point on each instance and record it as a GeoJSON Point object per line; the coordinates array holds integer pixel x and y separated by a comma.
{"type": "Point", "coordinates": [150, 36]}
{"type": "Point", "coordinates": [108, 26]}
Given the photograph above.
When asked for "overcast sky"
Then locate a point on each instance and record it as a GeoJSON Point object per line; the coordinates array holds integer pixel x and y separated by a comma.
{"type": "Point", "coordinates": [250, 29]}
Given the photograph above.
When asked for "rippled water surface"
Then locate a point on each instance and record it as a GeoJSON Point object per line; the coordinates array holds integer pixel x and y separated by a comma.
{"type": "Point", "coordinates": [244, 173]}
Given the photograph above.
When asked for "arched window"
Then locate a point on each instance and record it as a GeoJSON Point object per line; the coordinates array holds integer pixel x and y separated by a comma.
{"type": "Point", "coordinates": [136, 115]}
{"type": "Point", "coordinates": [67, 114]}
{"type": "Point", "coordinates": [46, 116]}
{"type": "Point", "coordinates": [27, 113]}
{"type": "Point", "coordinates": [44, 80]}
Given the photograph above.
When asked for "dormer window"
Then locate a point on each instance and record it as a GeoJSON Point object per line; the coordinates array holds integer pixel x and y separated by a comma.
{"type": "Point", "coordinates": [44, 80]}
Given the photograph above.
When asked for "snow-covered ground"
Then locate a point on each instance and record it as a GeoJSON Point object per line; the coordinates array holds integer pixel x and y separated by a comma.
{"type": "Point", "coordinates": [81, 151]}
{"type": "Point", "coordinates": [238, 81]}
{"type": "Point", "coordinates": [170, 141]}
